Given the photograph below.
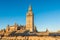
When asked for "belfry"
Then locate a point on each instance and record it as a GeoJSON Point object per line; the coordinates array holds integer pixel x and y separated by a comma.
{"type": "Point", "coordinates": [30, 20]}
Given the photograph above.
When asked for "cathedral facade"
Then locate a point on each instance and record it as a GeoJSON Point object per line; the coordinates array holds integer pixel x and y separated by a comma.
{"type": "Point", "coordinates": [28, 32]}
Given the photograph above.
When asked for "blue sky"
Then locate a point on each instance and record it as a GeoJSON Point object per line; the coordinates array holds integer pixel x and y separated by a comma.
{"type": "Point", "coordinates": [46, 13]}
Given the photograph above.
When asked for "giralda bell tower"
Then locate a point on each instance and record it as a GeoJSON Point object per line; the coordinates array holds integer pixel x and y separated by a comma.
{"type": "Point", "coordinates": [30, 20]}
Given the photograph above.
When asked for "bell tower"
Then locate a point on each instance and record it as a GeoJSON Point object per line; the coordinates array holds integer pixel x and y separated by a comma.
{"type": "Point", "coordinates": [30, 20]}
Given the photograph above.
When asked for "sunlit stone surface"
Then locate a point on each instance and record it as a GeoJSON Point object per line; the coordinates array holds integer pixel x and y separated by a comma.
{"type": "Point", "coordinates": [28, 31]}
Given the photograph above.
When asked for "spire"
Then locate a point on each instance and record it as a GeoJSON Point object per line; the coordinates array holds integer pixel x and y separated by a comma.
{"type": "Point", "coordinates": [47, 30]}
{"type": "Point", "coordinates": [7, 25]}
{"type": "Point", "coordinates": [30, 8]}
{"type": "Point", "coordinates": [15, 24]}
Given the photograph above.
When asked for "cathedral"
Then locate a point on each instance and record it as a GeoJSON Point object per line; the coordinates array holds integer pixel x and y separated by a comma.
{"type": "Point", "coordinates": [27, 32]}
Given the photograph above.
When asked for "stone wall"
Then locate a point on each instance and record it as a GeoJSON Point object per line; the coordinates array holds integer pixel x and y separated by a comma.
{"type": "Point", "coordinates": [31, 38]}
